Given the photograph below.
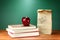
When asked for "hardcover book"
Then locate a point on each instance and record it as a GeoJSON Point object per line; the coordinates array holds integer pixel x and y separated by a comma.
{"type": "Point", "coordinates": [24, 34]}
{"type": "Point", "coordinates": [20, 26]}
{"type": "Point", "coordinates": [22, 31]}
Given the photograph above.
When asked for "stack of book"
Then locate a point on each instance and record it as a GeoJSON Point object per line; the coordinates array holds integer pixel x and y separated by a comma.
{"type": "Point", "coordinates": [22, 31]}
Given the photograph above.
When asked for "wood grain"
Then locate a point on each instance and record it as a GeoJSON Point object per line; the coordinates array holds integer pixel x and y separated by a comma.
{"type": "Point", "coordinates": [54, 36]}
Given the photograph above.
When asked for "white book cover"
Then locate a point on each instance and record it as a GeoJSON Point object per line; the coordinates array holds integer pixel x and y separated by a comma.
{"type": "Point", "coordinates": [21, 26]}
{"type": "Point", "coordinates": [22, 30]}
{"type": "Point", "coordinates": [24, 34]}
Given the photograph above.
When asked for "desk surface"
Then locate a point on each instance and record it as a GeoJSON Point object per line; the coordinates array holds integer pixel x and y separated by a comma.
{"type": "Point", "coordinates": [55, 36]}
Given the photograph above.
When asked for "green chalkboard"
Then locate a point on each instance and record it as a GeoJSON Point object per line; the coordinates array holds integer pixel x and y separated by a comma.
{"type": "Point", "coordinates": [13, 10]}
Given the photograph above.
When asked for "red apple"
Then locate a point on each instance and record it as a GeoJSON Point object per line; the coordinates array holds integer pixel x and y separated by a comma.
{"type": "Point", "coordinates": [26, 21]}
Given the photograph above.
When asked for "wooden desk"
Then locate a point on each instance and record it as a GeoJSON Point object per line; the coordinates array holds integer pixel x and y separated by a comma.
{"type": "Point", "coordinates": [55, 36]}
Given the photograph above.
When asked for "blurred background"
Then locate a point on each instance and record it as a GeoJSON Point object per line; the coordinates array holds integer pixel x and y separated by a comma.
{"type": "Point", "coordinates": [12, 11]}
